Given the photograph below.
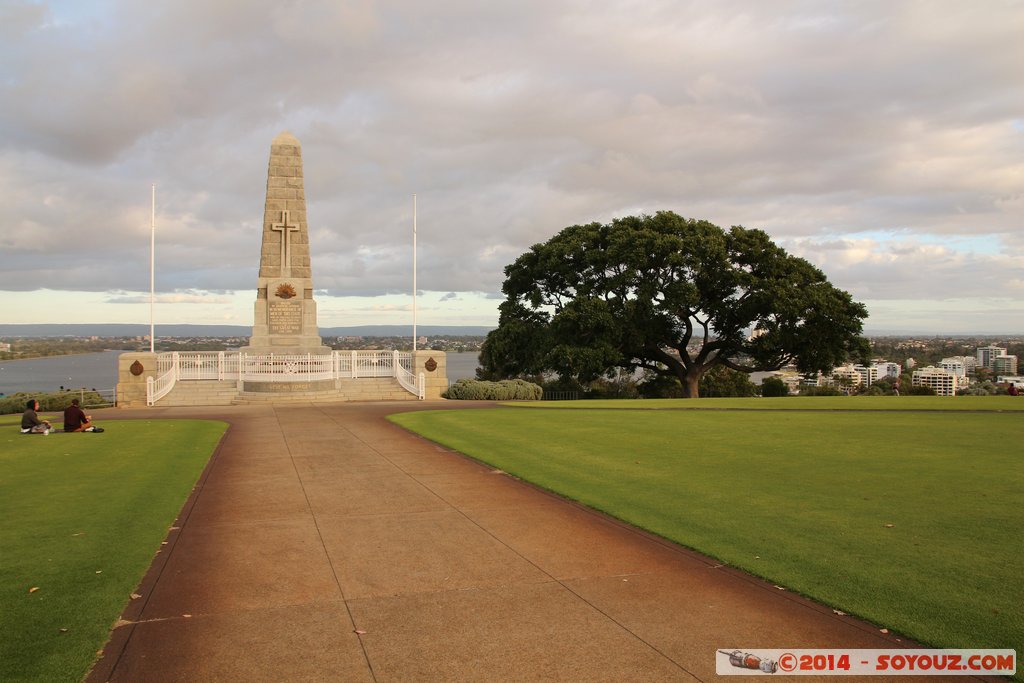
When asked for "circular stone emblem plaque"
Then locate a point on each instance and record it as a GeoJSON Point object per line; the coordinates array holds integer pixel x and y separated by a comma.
{"type": "Point", "coordinates": [430, 365]}
{"type": "Point", "coordinates": [136, 368]}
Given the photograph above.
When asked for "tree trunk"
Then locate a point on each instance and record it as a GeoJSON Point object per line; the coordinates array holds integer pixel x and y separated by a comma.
{"type": "Point", "coordinates": [690, 381]}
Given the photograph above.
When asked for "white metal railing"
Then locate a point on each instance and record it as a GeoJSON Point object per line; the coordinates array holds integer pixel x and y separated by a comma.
{"type": "Point", "coordinates": [219, 365]}
{"type": "Point", "coordinates": [166, 374]}
{"type": "Point", "coordinates": [409, 383]}
{"type": "Point", "coordinates": [199, 365]}
{"type": "Point", "coordinates": [290, 368]}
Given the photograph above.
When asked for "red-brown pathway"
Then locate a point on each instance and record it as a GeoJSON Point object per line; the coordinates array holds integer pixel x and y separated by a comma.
{"type": "Point", "coordinates": [325, 544]}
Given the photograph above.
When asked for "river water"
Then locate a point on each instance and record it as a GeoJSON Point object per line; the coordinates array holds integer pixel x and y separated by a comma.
{"type": "Point", "coordinates": [84, 370]}
{"type": "Point", "coordinates": [99, 371]}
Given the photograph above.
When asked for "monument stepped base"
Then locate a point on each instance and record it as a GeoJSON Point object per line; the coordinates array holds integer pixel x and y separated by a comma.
{"type": "Point", "coordinates": [224, 393]}
{"type": "Point", "coordinates": [375, 389]}
{"type": "Point", "coordinates": [205, 392]}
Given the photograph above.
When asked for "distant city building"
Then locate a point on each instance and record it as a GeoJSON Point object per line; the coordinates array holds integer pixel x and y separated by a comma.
{"type": "Point", "coordinates": [887, 369]}
{"type": "Point", "coordinates": [868, 375]}
{"type": "Point", "coordinates": [954, 365]}
{"type": "Point", "coordinates": [1004, 365]}
{"type": "Point", "coordinates": [792, 379]}
{"type": "Point", "coordinates": [968, 363]}
{"type": "Point", "coordinates": [987, 353]}
{"type": "Point", "coordinates": [1015, 380]}
{"type": "Point", "coordinates": [846, 378]}
{"type": "Point", "coordinates": [909, 363]}
{"type": "Point", "coordinates": [942, 382]}
{"type": "Point", "coordinates": [815, 380]}
{"type": "Point", "coordinates": [5, 347]}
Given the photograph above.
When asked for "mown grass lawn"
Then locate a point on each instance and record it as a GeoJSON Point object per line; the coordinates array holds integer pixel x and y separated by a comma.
{"type": "Point", "coordinates": [912, 520]}
{"type": "Point", "coordinates": [81, 518]}
{"type": "Point", "coordinates": [813, 403]}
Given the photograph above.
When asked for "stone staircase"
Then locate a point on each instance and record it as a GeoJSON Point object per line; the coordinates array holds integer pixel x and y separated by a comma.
{"type": "Point", "coordinates": [223, 393]}
{"type": "Point", "coordinates": [367, 389]}
{"type": "Point", "coordinates": [203, 392]}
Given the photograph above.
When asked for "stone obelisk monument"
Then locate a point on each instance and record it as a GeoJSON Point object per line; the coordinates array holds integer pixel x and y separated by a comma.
{"type": "Point", "coordinates": [285, 317]}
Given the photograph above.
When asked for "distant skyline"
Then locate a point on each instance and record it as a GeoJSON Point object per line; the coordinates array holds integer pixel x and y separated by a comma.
{"type": "Point", "coordinates": [430, 331]}
{"type": "Point", "coordinates": [882, 141]}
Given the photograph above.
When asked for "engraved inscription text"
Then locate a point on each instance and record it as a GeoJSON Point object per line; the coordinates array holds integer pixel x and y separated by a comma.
{"type": "Point", "coordinates": [285, 317]}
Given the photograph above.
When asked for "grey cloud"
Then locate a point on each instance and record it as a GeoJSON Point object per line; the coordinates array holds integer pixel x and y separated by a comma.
{"type": "Point", "coordinates": [509, 121]}
{"type": "Point", "coordinates": [910, 270]}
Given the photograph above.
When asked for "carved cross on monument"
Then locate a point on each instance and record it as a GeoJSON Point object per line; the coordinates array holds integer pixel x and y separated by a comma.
{"type": "Point", "coordinates": [286, 251]}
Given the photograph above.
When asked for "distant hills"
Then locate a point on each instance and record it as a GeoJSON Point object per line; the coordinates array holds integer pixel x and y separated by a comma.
{"type": "Point", "coordinates": [133, 330]}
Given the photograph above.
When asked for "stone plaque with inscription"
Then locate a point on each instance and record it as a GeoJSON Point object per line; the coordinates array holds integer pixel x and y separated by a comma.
{"type": "Point", "coordinates": [284, 317]}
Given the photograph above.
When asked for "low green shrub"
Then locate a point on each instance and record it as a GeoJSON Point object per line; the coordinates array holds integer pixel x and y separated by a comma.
{"type": "Point", "coordinates": [820, 391]}
{"type": "Point", "coordinates": [48, 401]}
{"type": "Point", "coordinates": [505, 390]}
{"type": "Point", "coordinates": [773, 387]}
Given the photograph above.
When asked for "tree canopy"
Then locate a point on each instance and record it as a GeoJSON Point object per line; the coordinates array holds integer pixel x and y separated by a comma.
{"type": "Point", "coordinates": [673, 295]}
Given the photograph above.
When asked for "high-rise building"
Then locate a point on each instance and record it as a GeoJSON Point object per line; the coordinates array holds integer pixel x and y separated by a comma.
{"type": "Point", "coordinates": [987, 353]}
{"type": "Point", "coordinates": [888, 369]}
{"type": "Point", "coordinates": [954, 365]}
{"type": "Point", "coordinates": [1004, 365]}
{"type": "Point", "coordinates": [868, 374]}
{"type": "Point", "coordinates": [942, 382]}
{"type": "Point", "coordinates": [846, 378]}
{"type": "Point", "coordinates": [969, 363]}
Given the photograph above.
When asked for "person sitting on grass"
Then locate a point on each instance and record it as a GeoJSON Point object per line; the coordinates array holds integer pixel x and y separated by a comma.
{"type": "Point", "coordinates": [30, 422]}
{"type": "Point", "coordinates": [75, 420]}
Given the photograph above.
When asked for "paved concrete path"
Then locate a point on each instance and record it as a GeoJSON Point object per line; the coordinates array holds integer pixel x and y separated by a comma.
{"type": "Point", "coordinates": [325, 544]}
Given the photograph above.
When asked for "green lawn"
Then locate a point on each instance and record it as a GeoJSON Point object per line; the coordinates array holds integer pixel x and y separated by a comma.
{"type": "Point", "coordinates": [82, 518]}
{"type": "Point", "coordinates": [815, 403]}
{"type": "Point", "coordinates": [804, 499]}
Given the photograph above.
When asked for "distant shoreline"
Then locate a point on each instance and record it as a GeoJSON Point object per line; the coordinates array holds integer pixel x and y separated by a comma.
{"type": "Point", "coordinates": [183, 330]}
{"type": "Point", "coordinates": [170, 331]}
{"type": "Point", "coordinates": [59, 355]}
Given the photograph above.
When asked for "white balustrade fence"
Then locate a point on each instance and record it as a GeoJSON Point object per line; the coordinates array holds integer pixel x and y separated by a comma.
{"type": "Point", "coordinates": [220, 365]}
{"type": "Point", "coordinates": [166, 375]}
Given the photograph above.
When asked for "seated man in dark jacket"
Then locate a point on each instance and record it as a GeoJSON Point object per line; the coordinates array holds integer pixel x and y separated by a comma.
{"type": "Point", "coordinates": [75, 420]}
{"type": "Point", "coordinates": [30, 422]}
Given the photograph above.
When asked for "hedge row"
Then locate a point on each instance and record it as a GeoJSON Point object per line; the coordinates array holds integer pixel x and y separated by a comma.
{"type": "Point", "coordinates": [58, 400]}
{"type": "Point", "coordinates": [505, 390]}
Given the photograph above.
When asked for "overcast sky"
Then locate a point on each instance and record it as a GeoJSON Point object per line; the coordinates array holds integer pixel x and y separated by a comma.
{"type": "Point", "coordinates": [882, 141]}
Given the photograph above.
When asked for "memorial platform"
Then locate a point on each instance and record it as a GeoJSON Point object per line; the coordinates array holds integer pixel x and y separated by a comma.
{"type": "Point", "coordinates": [226, 378]}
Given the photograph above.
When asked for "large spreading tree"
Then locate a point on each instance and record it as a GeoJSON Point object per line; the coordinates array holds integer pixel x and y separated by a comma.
{"type": "Point", "coordinates": [672, 295]}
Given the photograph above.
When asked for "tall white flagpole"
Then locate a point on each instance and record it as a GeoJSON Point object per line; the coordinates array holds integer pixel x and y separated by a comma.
{"type": "Point", "coordinates": [152, 268]}
{"type": "Point", "coordinates": [414, 272]}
